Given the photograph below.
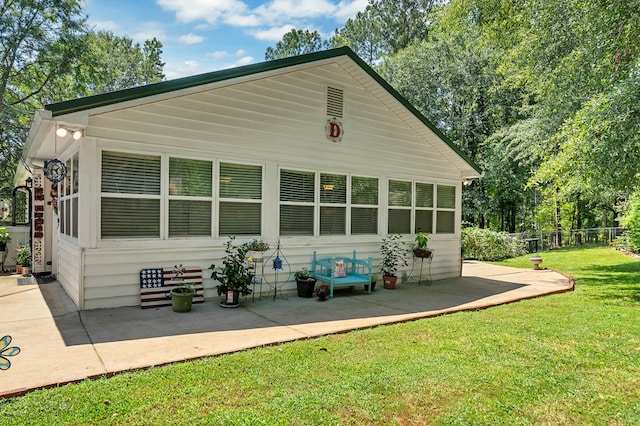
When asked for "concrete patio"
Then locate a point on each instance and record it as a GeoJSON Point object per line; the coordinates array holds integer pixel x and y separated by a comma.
{"type": "Point", "coordinates": [59, 344]}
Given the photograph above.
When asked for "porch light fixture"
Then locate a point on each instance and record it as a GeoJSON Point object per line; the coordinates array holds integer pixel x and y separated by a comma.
{"type": "Point", "coordinates": [62, 132]}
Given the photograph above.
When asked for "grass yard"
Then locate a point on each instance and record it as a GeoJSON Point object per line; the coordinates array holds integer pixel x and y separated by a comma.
{"type": "Point", "coordinates": [567, 359]}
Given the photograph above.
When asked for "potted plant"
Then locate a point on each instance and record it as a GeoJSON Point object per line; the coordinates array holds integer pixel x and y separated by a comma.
{"type": "Point", "coordinates": [305, 283]}
{"type": "Point", "coordinates": [257, 249]}
{"type": "Point", "coordinates": [420, 249]}
{"type": "Point", "coordinates": [182, 294]}
{"type": "Point", "coordinates": [5, 238]}
{"type": "Point", "coordinates": [23, 258]}
{"type": "Point", "coordinates": [394, 257]}
{"type": "Point", "coordinates": [235, 275]}
{"type": "Point", "coordinates": [374, 280]}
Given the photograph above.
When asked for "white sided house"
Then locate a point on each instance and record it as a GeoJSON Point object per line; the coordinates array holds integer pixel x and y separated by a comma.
{"type": "Point", "coordinates": [316, 151]}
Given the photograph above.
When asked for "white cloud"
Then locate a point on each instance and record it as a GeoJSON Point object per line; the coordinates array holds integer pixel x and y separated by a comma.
{"type": "Point", "coordinates": [182, 69]}
{"type": "Point", "coordinates": [348, 9]}
{"type": "Point", "coordinates": [211, 11]}
{"type": "Point", "coordinates": [149, 30]}
{"type": "Point", "coordinates": [112, 26]}
{"type": "Point", "coordinates": [241, 52]}
{"type": "Point", "coordinates": [218, 54]}
{"type": "Point", "coordinates": [191, 38]}
{"type": "Point", "coordinates": [272, 34]}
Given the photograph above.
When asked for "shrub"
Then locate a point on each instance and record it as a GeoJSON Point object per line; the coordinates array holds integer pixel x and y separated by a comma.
{"type": "Point", "coordinates": [484, 244]}
{"type": "Point", "coordinates": [630, 219]}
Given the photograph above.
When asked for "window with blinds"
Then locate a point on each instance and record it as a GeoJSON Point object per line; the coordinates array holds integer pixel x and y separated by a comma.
{"type": "Point", "coordinates": [297, 202]}
{"type": "Point", "coordinates": [190, 197]}
{"type": "Point", "coordinates": [400, 199]}
{"type": "Point", "coordinates": [364, 205]}
{"type": "Point", "coordinates": [446, 204]}
{"type": "Point", "coordinates": [424, 207]}
{"type": "Point", "coordinates": [333, 201]}
{"type": "Point", "coordinates": [240, 192]}
{"type": "Point", "coordinates": [130, 195]}
{"type": "Point", "coordinates": [68, 199]}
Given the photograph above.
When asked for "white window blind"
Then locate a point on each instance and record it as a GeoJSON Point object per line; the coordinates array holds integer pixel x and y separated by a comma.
{"type": "Point", "coordinates": [364, 205]}
{"type": "Point", "coordinates": [130, 202]}
{"type": "Point", "coordinates": [190, 177]}
{"type": "Point", "coordinates": [297, 198]}
{"type": "Point", "coordinates": [130, 173]}
{"type": "Point", "coordinates": [333, 190]}
{"type": "Point", "coordinates": [240, 190]}
{"type": "Point", "coordinates": [424, 207]}
{"type": "Point", "coordinates": [446, 197]}
{"type": "Point", "coordinates": [400, 199]}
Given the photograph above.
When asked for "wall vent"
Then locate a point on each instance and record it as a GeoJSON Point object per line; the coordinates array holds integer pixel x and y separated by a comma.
{"type": "Point", "coordinates": [335, 102]}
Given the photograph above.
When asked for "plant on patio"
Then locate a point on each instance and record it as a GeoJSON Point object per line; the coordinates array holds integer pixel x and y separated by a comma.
{"type": "Point", "coordinates": [420, 249]}
{"type": "Point", "coordinates": [182, 294]}
{"type": "Point", "coordinates": [394, 257]}
{"type": "Point", "coordinates": [305, 283]}
{"type": "Point", "coordinates": [235, 275]}
{"type": "Point", "coordinates": [5, 238]}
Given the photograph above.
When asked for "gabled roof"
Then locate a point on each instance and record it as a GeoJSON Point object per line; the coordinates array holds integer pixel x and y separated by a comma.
{"type": "Point", "coordinates": [136, 93]}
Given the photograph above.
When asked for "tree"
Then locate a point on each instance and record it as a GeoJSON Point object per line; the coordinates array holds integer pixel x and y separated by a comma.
{"type": "Point", "coordinates": [40, 40]}
{"type": "Point", "coordinates": [296, 42]}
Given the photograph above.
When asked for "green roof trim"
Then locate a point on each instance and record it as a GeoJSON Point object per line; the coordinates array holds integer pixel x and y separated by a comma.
{"type": "Point", "coordinates": [110, 98]}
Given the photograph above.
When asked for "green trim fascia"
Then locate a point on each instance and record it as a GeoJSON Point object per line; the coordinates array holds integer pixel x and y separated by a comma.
{"type": "Point", "coordinates": [110, 98]}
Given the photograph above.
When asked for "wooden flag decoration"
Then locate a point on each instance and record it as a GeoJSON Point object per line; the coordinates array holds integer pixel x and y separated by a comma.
{"type": "Point", "coordinates": [156, 285]}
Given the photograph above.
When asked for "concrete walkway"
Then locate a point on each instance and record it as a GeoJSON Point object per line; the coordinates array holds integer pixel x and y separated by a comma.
{"type": "Point", "coordinates": [59, 344]}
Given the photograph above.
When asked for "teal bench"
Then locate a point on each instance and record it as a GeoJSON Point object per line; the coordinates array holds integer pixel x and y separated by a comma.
{"type": "Point", "coordinates": [356, 271]}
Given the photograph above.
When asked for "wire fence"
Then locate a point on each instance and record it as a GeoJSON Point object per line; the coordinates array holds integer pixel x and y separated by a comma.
{"type": "Point", "coordinates": [546, 240]}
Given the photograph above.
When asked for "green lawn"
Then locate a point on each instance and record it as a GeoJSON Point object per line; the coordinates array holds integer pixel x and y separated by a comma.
{"type": "Point", "coordinates": [567, 359]}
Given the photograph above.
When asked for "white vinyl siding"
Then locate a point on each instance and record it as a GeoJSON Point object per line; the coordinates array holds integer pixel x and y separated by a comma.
{"type": "Point", "coordinates": [240, 211]}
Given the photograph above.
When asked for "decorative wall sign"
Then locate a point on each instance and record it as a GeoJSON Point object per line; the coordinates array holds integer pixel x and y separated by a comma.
{"type": "Point", "coordinates": [334, 130]}
{"type": "Point", "coordinates": [55, 170]}
{"type": "Point", "coordinates": [38, 261]}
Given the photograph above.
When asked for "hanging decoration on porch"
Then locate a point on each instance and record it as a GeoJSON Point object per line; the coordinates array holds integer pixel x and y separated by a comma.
{"type": "Point", "coordinates": [55, 170]}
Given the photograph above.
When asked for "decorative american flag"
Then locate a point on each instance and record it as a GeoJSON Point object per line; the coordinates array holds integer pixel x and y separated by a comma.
{"type": "Point", "coordinates": [156, 285]}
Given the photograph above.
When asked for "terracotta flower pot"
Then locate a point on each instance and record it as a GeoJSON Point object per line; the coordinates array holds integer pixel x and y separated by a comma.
{"type": "Point", "coordinates": [389, 282]}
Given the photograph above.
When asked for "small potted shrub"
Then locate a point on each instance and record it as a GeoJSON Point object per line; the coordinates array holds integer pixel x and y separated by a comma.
{"type": "Point", "coordinates": [256, 250]}
{"type": "Point", "coordinates": [394, 257]}
{"type": "Point", "coordinates": [5, 238]}
{"type": "Point", "coordinates": [374, 280]}
{"type": "Point", "coordinates": [235, 275]}
{"type": "Point", "coordinates": [420, 249]}
{"type": "Point", "coordinates": [23, 258]}
{"type": "Point", "coordinates": [305, 283]}
{"type": "Point", "coordinates": [182, 294]}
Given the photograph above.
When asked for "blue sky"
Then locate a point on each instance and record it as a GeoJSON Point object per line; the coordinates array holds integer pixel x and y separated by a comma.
{"type": "Point", "coordinates": [206, 35]}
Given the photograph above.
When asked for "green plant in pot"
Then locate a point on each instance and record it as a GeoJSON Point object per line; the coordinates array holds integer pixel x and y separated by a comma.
{"type": "Point", "coordinates": [305, 283]}
{"type": "Point", "coordinates": [182, 294]}
{"type": "Point", "coordinates": [256, 248]}
{"type": "Point", "coordinates": [394, 257]}
{"type": "Point", "coordinates": [5, 238]}
{"type": "Point", "coordinates": [235, 275]}
{"type": "Point", "coordinates": [420, 249]}
{"type": "Point", "coordinates": [374, 280]}
{"type": "Point", "coordinates": [23, 258]}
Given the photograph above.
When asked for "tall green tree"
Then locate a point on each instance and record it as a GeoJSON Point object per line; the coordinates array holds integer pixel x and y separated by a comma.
{"type": "Point", "coordinates": [296, 42]}
{"type": "Point", "coordinates": [40, 40]}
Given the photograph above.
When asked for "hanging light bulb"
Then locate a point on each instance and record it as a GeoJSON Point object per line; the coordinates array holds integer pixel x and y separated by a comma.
{"type": "Point", "coordinates": [61, 132]}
